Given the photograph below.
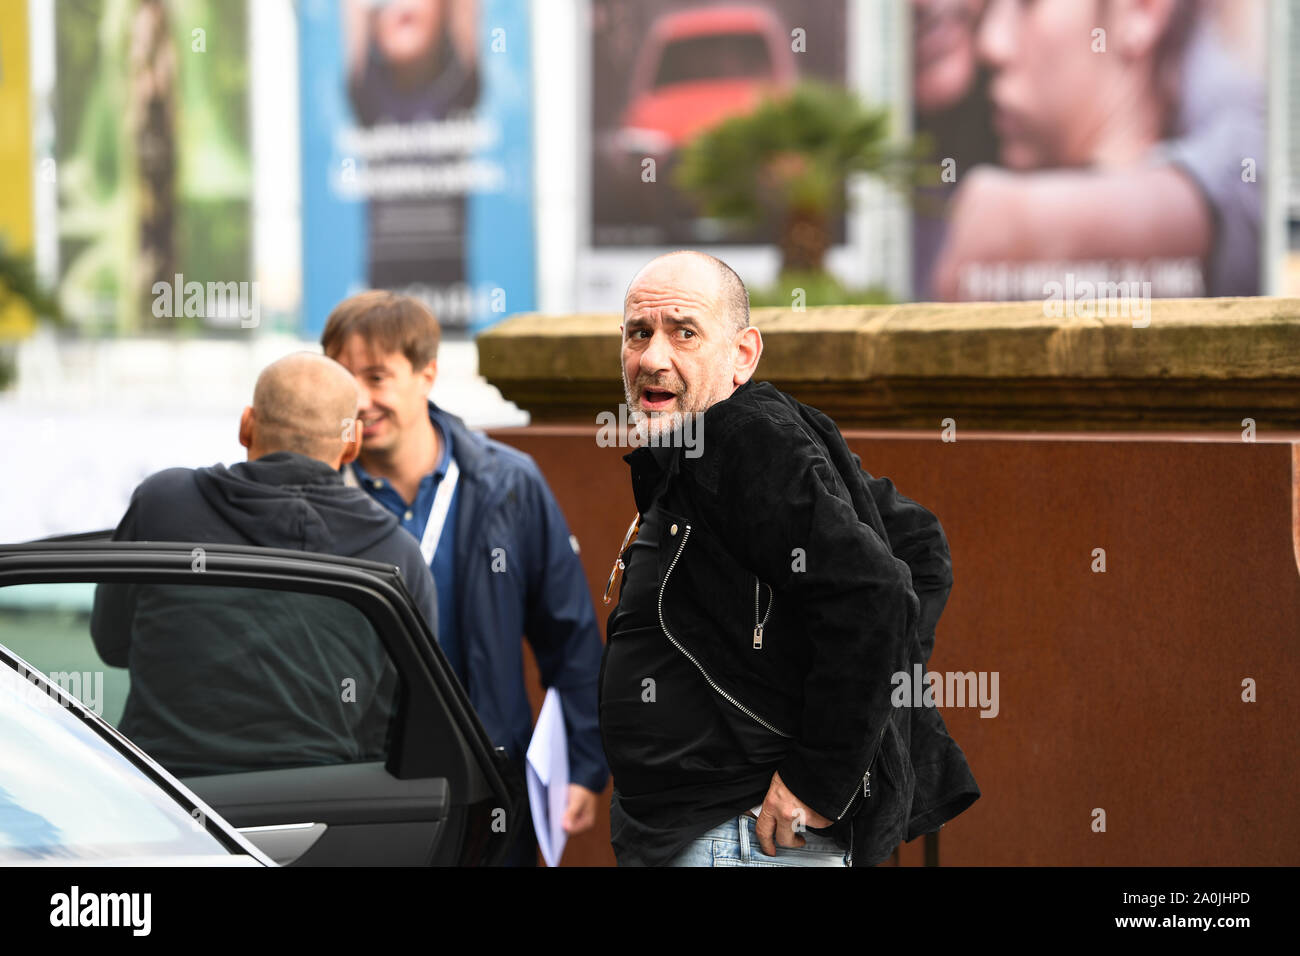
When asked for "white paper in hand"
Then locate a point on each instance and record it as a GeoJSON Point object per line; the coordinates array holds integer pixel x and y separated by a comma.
{"type": "Point", "coordinates": [548, 778]}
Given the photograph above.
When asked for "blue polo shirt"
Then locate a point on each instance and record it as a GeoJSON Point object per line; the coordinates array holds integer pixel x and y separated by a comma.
{"type": "Point", "coordinates": [414, 516]}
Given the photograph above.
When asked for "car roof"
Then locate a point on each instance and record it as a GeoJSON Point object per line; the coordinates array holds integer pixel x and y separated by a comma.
{"type": "Point", "coordinates": [711, 20]}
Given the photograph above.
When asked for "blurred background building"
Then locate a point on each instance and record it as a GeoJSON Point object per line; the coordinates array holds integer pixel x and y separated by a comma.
{"type": "Point", "coordinates": [190, 185]}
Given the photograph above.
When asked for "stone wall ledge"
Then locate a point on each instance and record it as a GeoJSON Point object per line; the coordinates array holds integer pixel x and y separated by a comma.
{"type": "Point", "coordinates": [1201, 364]}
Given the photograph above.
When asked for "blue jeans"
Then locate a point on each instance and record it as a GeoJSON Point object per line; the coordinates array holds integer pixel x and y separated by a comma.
{"type": "Point", "coordinates": [734, 844]}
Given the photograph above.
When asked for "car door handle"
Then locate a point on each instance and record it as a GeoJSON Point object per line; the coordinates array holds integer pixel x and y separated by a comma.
{"type": "Point", "coordinates": [284, 842]}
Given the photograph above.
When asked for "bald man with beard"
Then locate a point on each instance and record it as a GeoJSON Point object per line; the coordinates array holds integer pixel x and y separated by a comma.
{"type": "Point", "coordinates": [771, 589]}
{"type": "Point", "coordinates": [200, 701]}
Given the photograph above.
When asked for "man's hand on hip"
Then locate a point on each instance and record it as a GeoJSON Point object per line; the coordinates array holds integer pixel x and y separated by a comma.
{"type": "Point", "coordinates": [781, 813]}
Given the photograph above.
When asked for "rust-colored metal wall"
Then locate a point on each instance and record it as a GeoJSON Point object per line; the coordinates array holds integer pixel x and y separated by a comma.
{"type": "Point", "coordinates": [1119, 691]}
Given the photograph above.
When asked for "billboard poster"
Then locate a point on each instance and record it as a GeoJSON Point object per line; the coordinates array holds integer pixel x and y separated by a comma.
{"type": "Point", "coordinates": [16, 220]}
{"type": "Point", "coordinates": [663, 72]}
{"type": "Point", "coordinates": [152, 162]}
{"type": "Point", "coordinates": [1090, 150]}
{"type": "Point", "coordinates": [417, 156]}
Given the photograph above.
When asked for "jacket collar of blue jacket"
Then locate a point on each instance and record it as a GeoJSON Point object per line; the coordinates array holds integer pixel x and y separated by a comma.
{"type": "Point", "coordinates": [470, 448]}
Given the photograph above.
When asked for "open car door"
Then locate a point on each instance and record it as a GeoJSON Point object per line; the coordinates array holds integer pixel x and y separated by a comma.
{"type": "Point", "coordinates": [300, 695]}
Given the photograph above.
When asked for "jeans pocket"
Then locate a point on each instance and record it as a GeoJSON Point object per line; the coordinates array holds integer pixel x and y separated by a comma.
{"type": "Point", "coordinates": [818, 850]}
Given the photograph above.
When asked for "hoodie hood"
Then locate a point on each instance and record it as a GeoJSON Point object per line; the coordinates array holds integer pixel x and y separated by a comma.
{"type": "Point", "coordinates": [287, 500]}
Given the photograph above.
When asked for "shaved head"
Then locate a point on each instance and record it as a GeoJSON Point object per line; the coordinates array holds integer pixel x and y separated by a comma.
{"type": "Point", "coordinates": [305, 403]}
{"type": "Point", "coordinates": [687, 341]}
{"type": "Point", "coordinates": [729, 292]}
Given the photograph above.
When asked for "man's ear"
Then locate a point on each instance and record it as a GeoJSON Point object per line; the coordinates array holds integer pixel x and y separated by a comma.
{"type": "Point", "coordinates": [749, 349]}
{"type": "Point", "coordinates": [429, 372]}
{"type": "Point", "coordinates": [351, 446]}
{"type": "Point", "coordinates": [246, 427]}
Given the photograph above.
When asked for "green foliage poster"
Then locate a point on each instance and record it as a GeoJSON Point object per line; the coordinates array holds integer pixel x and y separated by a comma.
{"type": "Point", "coordinates": [152, 149]}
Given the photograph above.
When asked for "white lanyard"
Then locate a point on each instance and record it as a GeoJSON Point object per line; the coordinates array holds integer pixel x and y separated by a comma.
{"type": "Point", "coordinates": [437, 514]}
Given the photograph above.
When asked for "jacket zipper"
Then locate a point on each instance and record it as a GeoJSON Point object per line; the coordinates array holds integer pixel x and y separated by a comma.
{"type": "Point", "coordinates": [866, 776]}
{"type": "Point", "coordinates": [689, 656]}
{"type": "Point", "coordinates": [759, 625]}
{"type": "Point", "coordinates": [663, 585]}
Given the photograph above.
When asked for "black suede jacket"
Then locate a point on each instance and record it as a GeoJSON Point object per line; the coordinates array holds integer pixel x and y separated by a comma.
{"type": "Point", "coordinates": [798, 584]}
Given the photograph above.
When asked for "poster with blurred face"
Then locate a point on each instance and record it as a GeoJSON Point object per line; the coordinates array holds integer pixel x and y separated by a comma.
{"type": "Point", "coordinates": [944, 64]}
{"type": "Point", "coordinates": [407, 32]}
{"type": "Point", "coordinates": [665, 71]}
{"type": "Point", "coordinates": [1115, 142]}
{"type": "Point", "coordinates": [1057, 101]}
{"type": "Point", "coordinates": [407, 68]}
{"type": "Point", "coordinates": [417, 156]}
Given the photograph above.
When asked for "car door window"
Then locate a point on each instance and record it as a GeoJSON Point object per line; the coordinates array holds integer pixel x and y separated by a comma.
{"type": "Point", "coordinates": [213, 679]}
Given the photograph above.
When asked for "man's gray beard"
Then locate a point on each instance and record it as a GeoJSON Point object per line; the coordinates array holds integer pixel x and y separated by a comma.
{"type": "Point", "coordinates": [659, 422]}
{"type": "Point", "coordinates": [656, 423]}
{"type": "Point", "coordinates": [648, 423]}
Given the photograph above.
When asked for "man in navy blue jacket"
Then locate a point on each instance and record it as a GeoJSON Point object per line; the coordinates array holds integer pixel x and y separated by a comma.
{"type": "Point", "coordinates": [500, 550]}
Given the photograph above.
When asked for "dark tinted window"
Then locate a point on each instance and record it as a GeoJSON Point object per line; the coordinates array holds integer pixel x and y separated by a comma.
{"type": "Point", "coordinates": [211, 679]}
{"type": "Point", "coordinates": [720, 56]}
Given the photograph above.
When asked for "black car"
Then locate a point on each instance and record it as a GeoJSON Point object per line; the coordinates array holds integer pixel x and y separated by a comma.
{"type": "Point", "coordinates": [301, 696]}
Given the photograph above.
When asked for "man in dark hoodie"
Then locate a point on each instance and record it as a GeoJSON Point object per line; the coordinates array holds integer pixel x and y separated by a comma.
{"type": "Point", "coordinates": [772, 588]}
{"type": "Point", "coordinates": [231, 679]}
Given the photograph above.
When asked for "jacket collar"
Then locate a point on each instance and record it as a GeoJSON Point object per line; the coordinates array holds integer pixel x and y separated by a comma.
{"type": "Point", "coordinates": [651, 468]}
{"type": "Point", "coordinates": [287, 468]}
{"type": "Point", "coordinates": [666, 457]}
{"type": "Point", "coordinates": [469, 447]}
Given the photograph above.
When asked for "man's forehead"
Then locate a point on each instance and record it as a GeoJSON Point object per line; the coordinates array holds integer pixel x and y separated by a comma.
{"type": "Point", "coordinates": [670, 290]}
{"type": "Point", "coordinates": [357, 350]}
{"type": "Point", "coordinates": [669, 299]}
{"type": "Point", "coordinates": [677, 269]}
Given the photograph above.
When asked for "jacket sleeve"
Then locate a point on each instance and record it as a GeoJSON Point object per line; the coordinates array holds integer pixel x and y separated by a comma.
{"type": "Point", "coordinates": [560, 625]}
{"type": "Point", "coordinates": [916, 537]}
{"type": "Point", "coordinates": [778, 492]}
{"type": "Point", "coordinates": [424, 590]}
{"type": "Point", "coordinates": [110, 622]}
{"type": "Point", "coordinates": [112, 617]}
